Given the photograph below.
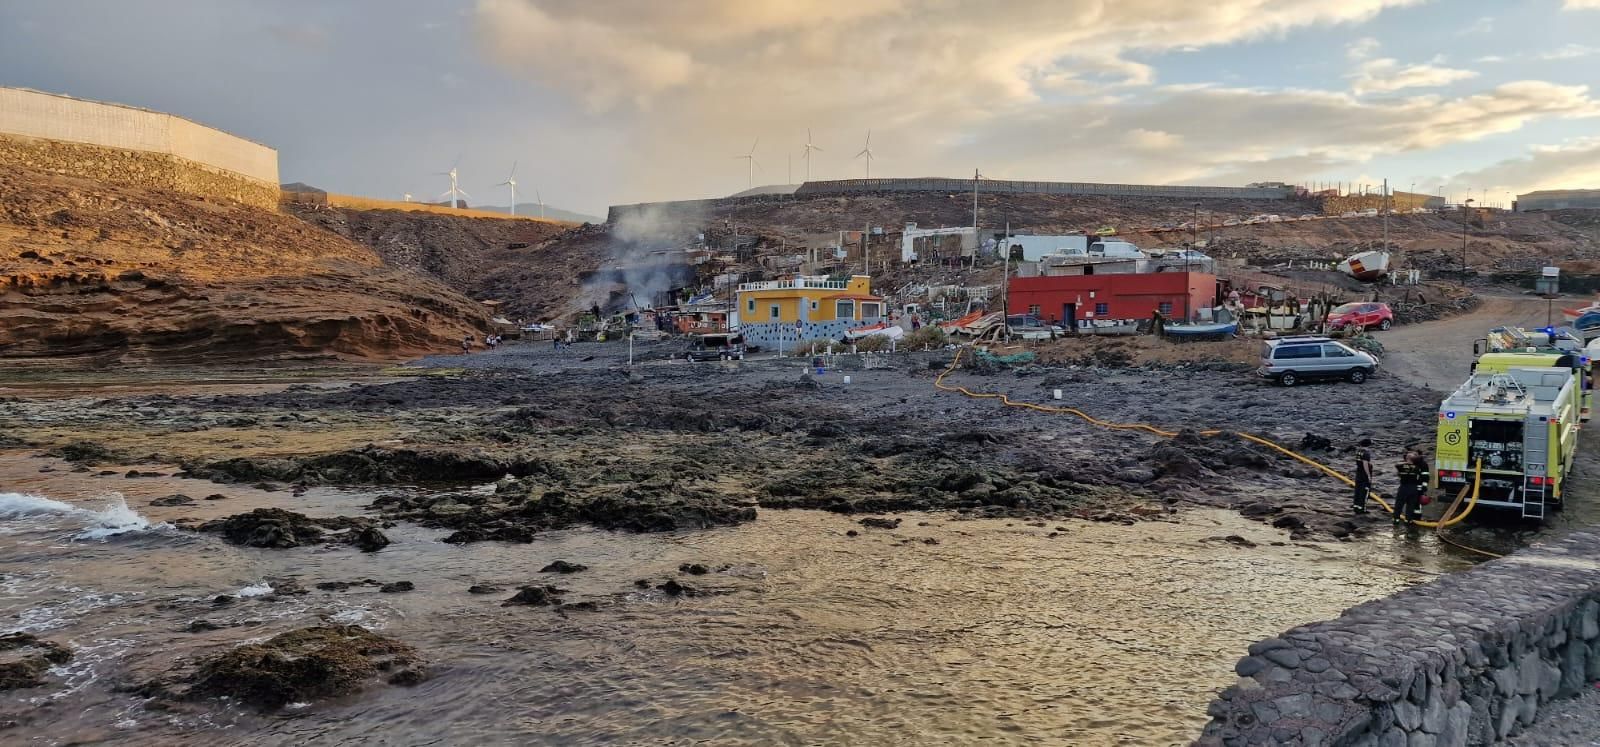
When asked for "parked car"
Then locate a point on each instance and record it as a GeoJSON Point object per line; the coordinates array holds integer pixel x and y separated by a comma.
{"type": "Point", "coordinates": [716, 347]}
{"type": "Point", "coordinates": [1310, 216]}
{"type": "Point", "coordinates": [1231, 222]}
{"type": "Point", "coordinates": [1106, 231]}
{"type": "Point", "coordinates": [1187, 255]}
{"type": "Point", "coordinates": [1291, 360]}
{"type": "Point", "coordinates": [1361, 316]}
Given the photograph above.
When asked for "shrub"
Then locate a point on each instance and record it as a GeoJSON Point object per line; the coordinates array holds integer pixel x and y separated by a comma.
{"type": "Point", "coordinates": [931, 336]}
{"type": "Point", "coordinates": [817, 346]}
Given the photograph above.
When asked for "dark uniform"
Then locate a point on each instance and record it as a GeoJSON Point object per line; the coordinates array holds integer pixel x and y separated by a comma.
{"type": "Point", "coordinates": [1408, 499]}
{"type": "Point", "coordinates": [1363, 478]}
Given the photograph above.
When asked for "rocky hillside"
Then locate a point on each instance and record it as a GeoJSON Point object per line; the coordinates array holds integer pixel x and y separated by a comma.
{"type": "Point", "coordinates": [512, 261]}
{"type": "Point", "coordinates": [96, 274]}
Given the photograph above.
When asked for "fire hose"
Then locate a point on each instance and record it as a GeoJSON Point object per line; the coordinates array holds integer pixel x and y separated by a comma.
{"type": "Point", "coordinates": [1447, 519]}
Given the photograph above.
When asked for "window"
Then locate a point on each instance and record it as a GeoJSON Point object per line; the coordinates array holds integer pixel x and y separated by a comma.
{"type": "Point", "coordinates": [1165, 307]}
{"type": "Point", "coordinates": [870, 310]}
{"type": "Point", "coordinates": [1337, 351]}
{"type": "Point", "coordinates": [844, 310]}
{"type": "Point", "coordinates": [1033, 310]}
{"type": "Point", "coordinates": [752, 308]}
{"type": "Point", "coordinates": [1101, 309]}
{"type": "Point", "coordinates": [774, 311]}
{"type": "Point", "coordinates": [1297, 352]}
{"type": "Point", "coordinates": [813, 305]}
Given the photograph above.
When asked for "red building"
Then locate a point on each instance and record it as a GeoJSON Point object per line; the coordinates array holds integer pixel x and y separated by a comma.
{"type": "Point", "coordinates": [1056, 298]}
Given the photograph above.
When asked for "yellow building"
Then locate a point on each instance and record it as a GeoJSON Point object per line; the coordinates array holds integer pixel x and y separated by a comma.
{"type": "Point", "coordinates": [806, 307]}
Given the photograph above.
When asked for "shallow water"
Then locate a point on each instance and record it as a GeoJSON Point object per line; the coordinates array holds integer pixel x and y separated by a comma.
{"type": "Point", "coordinates": [997, 634]}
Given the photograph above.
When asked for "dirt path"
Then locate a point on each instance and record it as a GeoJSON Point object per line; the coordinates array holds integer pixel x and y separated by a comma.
{"type": "Point", "coordinates": [1437, 355]}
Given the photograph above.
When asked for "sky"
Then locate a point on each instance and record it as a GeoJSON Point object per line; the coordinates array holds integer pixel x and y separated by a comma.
{"type": "Point", "coordinates": [603, 102]}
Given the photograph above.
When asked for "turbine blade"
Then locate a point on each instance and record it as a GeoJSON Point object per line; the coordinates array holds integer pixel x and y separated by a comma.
{"type": "Point", "coordinates": [869, 137]}
{"type": "Point", "coordinates": [513, 169]}
{"type": "Point", "coordinates": [753, 145]}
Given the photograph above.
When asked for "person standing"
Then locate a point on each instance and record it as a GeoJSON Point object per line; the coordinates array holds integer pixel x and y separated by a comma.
{"type": "Point", "coordinates": [1413, 472]}
{"type": "Point", "coordinates": [466, 345]}
{"type": "Point", "coordinates": [1363, 476]}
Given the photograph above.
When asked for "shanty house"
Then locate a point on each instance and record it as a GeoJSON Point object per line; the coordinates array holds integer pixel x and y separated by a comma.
{"type": "Point", "coordinates": [1073, 299]}
{"type": "Point", "coordinates": [806, 307]}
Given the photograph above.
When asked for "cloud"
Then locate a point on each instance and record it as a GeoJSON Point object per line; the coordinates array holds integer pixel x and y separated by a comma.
{"type": "Point", "coordinates": [1574, 163]}
{"type": "Point", "coordinates": [1581, 5]}
{"type": "Point", "coordinates": [1048, 89]}
{"type": "Point", "coordinates": [1569, 51]}
{"type": "Point", "coordinates": [1387, 74]}
{"type": "Point", "coordinates": [601, 64]}
{"type": "Point", "coordinates": [1288, 132]}
{"type": "Point", "coordinates": [1152, 140]}
{"type": "Point", "coordinates": [1362, 48]}
{"type": "Point", "coordinates": [1483, 25]}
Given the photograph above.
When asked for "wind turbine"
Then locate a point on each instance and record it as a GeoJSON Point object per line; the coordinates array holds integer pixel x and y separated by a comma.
{"type": "Point", "coordinates": [455, 184]}
{"type": "Point", "coordinates": [541, 203]}
{"type": "Point", "coordinates": [807, 155]}
{"type": "Point", "coordinates": [511, 181]}
{"type": "Point", "coordinates": [867, 151]}
{"type": "Point", "coordinates": [750, 161]}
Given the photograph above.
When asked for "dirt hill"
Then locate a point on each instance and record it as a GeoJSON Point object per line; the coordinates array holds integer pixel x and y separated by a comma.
{"type": "Point", "coordinates": [100, 274]}
{"type": "Point", "coordinates": [511, 261]}
{"type": "Point", "coordinates": [542, 272]}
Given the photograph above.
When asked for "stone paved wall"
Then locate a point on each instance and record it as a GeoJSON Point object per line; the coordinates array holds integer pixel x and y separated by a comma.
{"type": "Point", "coordinates": [766, 335]}
{"type": "Point", "coordinates": [1467, 659]}
{"type": "Point", "coordinates": [136, 168]}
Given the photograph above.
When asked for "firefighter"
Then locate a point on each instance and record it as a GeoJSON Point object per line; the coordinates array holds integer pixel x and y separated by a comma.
{"type": "Point", "coordinates": [1363, 476]}
{"type": "Point", "coordinates": [1413, 472]}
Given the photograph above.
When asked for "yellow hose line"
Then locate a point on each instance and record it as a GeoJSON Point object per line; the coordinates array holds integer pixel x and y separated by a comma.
{"type": "Point", "coordinates": [1445, 519]}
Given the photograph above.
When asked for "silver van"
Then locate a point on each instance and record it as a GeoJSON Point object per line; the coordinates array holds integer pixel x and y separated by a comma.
{"type": "Point", "coordinates": [1291, 360]}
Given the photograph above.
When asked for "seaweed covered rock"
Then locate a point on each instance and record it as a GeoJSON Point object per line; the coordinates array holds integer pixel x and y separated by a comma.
{"type": "Point", "coordinates": [369, 465]}
{"type": "Point", "coordinates": [299, 666]}
{"type": "Point", "coordinates": [89, 452]}
{"type": "Point", "coordinates": [276, 528]}
{"type": "Point", "coordinates": [24, 659]}
{"type": "Point", "coordinates": [517, 512]}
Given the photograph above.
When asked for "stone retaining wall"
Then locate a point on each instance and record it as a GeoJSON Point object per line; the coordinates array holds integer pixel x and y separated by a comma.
{"type": "Point", "coordinates": [1467, 659]}
{"type": "Point", "coordinates": [129, 145]}
{"type": "Point", "coordinates": [135, 168]}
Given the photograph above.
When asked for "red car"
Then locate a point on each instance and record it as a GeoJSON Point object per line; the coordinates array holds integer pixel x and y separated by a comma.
{"type": "Point", "coordinates": [1362, 315]}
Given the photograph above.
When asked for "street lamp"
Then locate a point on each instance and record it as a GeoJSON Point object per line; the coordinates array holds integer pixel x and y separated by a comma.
{"type": "Point", "coordinates": [1466, 212]}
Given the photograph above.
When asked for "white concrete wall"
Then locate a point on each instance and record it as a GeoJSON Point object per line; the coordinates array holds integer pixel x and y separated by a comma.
{"type": "Point", "coordinates": [54, 117]}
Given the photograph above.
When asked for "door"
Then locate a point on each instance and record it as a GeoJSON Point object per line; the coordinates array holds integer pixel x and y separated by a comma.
{"type": "Point", "coordinates": [1069, 317]}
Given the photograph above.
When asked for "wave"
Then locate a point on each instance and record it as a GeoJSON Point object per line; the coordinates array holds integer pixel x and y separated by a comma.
{"type": "Point", "coordinates": [116, 518]}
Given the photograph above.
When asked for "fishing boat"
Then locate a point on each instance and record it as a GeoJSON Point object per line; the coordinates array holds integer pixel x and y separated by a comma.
{"type": "Point", "coordinates": [1200, 331]}
{"type": "Point", "coordinates": [886, 329]}
{"type": "Point", "coordinates": [1574, 313]}
{"type": "Point", "coordinates": [1365, 266]}
{"type": "Point", "coordinates": [1098, 327]}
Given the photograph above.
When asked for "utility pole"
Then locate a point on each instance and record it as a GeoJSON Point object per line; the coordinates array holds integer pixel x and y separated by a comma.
{"type": "Point", "coordinates": [1466, 213]}
{"type": "Point", "coordinates": [975, 177]}
{"type": "Point", "coordinates": [1386, 214]}
{"type": "Point", "coordinates": [1005, 281]}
